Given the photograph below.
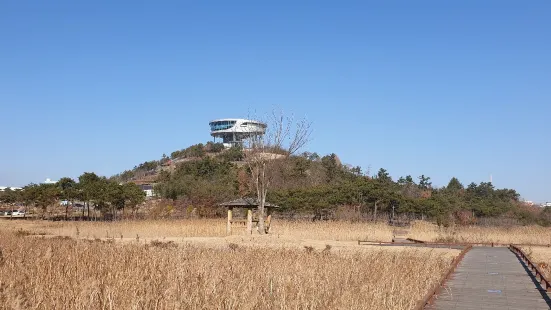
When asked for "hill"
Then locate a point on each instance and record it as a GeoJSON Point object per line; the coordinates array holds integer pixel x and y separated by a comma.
{"type": "Point", "coordinates": [203, 175]}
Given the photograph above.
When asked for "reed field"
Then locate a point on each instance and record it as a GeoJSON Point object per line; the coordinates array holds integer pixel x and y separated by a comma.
{"type": "Point", "coordinates": [192, 264]}
{"type": "Point", "coordinates": [65, 273]}
{"type": "Point", "coordinates": [477, 234]}
{"type": "Point", "coordinates": [321, 230]}
{"type": "Point", "coordinates": [540, 256]}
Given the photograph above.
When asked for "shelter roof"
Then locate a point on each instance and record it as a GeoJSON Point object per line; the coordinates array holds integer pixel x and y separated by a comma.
{"type": "Point", "coordinates": [246, 202]}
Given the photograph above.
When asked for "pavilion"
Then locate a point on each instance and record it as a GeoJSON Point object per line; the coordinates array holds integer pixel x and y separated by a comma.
{"type": "Point", "coordinates": [251, 205]}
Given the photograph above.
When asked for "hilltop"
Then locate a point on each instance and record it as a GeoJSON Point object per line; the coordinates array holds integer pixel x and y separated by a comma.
{"type": "Point", "coordinates": [148, 171]}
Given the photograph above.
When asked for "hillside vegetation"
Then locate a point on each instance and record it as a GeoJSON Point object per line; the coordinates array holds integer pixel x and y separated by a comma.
{"type": "Point", "coordinates": [312, 183]}
{"type": "Point", "coordinates": [203, 175]}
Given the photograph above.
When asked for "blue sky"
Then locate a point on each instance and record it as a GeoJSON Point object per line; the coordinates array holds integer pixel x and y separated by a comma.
{"type": "Point", "coordinates": [441, 88]}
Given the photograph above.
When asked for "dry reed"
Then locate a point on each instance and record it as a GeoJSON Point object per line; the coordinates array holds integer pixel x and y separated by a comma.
{"type": "Point", "coordinates": [343, 231]}
{"type": "Point", "coordinates": [540, 256]}
{"type": "Point", "coordinates": [477, 234]}
{"type": "Point", "coordinates": [63, 273]}
{"type": "Point", "coordinates": [339, 230]}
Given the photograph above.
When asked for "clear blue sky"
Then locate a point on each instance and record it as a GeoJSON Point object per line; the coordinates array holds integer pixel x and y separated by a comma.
{"type": "Point", "coordinates": [441, 88]}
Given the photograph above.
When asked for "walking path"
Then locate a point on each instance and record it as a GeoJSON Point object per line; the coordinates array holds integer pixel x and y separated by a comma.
{"type": "Point", "coordinates": [491, 278]}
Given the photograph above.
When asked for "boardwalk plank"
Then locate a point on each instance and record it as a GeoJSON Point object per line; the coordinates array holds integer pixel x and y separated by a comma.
{"type": "Point", "coordinates": [491, 278]}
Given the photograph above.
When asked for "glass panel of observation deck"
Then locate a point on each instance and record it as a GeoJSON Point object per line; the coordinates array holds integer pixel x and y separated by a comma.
{"type": "Point", "coordinates": [221, 125]}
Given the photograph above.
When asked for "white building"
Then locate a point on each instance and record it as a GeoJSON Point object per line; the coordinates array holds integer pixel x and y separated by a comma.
{"type": "Point", "coordinates": [13, 188]}
{"type": "Point", "coordinates": [48, 181]}
{"type": "Point", "coordinates": [234, 131]}
{"type": "Point", "coordinates": [148, 190]}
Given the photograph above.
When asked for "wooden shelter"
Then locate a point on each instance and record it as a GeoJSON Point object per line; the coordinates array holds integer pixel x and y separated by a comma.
{"type": "Point", "coordinates": [251, 205]}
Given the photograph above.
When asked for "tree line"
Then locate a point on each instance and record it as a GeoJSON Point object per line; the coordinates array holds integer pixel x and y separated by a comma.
{"type": "Point", "coordinates": [306, 182]}
{"type": "Point", "coordinates": [309, 182]}
{"type": "Point", "coordinates": [104, 195]}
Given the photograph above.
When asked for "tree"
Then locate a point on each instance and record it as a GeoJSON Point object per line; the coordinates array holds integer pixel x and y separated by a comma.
{"type": "Point", "coordinates": [133, 196]}
{"type": "Point", "coordinates": [45, 195]}
{"type": "Point", "coordinates": [197, 150]}
{"type": "Point", "coordinates": [114, 196]}
{"type": "Point", "coordinates": [405, 181]}
{"type": "Point", "coordinates": [89, 188]}
{"type": "Point", "coordinates": [127, 175]}
{"type": "Point", "coordinates": [117, 196]}
{"type": "Point", "coordinates": [454, 185]}
{"type": "Point", "coordinates": [311, 156]}
{"type": "Point", "coordinates": [234, 153]}
{"type": "Point", "coordinates": [424, 182]}
{"type": "Point", "coordinates": [9, 196]}
{"type": "Point", "coordinates": [164, 159]}
{"type": "Point", "coordinates": [408, 188]}
{"type": "Point", "coordinates": [68, 192]}
{"type": "Point", "coordinates": [484, 190]}
{"type": "Point", "coordinates": [201, 182]}
{"type": "Point", "coordinates": [282, 134]}
{"type": "Point", "coordinates": [356, 171]}
{"type": "Point", "coordinates": [383, 176]}
{"type": "Point", "coordinates": [214, 147]}
{"type": "Point", "coordinates": [471, 188]}
{"type": "Point", "coordinates": [301, 165]}
{"type": "Point", "coordinates": [331, 165]}
{"type": "Point", "coordinates": [29, 194]}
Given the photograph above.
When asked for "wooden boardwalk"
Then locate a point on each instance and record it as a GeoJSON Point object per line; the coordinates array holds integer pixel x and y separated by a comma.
{"type": "Point", "coordinates": [491, 278]}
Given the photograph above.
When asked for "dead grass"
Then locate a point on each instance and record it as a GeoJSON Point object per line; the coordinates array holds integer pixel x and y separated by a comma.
{"type": "Point", "coordinates": [344, 231]}
{"type": "Point", "coordinates": [540, 256]}
{"type": "Point", "coordinates": [64, 273]}
{"type": "Point", "coordinates": [292, 230]}
{"type": "Point", "coordinates": [475, 234]}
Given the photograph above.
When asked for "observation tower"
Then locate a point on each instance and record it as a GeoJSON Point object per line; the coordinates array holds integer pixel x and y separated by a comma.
{"type": "Point", "coordinates": [234, 131]}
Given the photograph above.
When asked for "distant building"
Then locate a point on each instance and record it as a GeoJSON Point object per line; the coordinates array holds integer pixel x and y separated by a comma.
{"type": "Point", "coordinates": [148, 189]}
{"type": "Point", "coordinates": [49, 181]}
{"type": "Point", "coordinates": [13, 188]}
{"type": "Point", "coordinates": [547, 204]}
{"type": "Point", "coordinates": [234, 131]}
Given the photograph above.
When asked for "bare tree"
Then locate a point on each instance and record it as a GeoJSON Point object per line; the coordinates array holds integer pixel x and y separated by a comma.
{"type": "Point", "coordinates": [284, 137]}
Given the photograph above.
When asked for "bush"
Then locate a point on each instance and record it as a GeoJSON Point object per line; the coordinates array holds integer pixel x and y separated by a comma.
{"type": "Point", "coordinates": [214, 147]}
{"type": "Point", "coordinates": [235, 153]}
{"type": "Point", "coordinates": [197, 150]}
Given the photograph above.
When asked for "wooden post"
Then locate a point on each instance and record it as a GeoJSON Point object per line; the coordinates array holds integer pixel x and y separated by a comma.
{"type": "Point", "coordinates": [230, 215]}
{"type": "Point", "coordinates": [250, 220]}
{"type": "Point", "coordinates": [269, 219]}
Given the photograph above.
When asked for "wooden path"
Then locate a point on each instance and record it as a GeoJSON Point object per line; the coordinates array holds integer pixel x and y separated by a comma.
{"type": "Point", "coordinates": [491, 278]}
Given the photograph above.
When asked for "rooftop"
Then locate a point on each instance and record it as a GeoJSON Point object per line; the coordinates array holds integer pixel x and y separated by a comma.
{"type": "Point", "coordinates": [246, 202]}
{"type": "Point", "coordinates": [237, 120]}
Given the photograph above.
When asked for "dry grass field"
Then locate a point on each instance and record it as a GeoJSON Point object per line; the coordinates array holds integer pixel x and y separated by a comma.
{"type": "Point", "coordinates": [192, 264]}
{"type": "Point", "coordinates": [340, 231]}
{"type": "Point", "coordinates": [540, 256]}
{"type": "Point", "coordinates": [476, 234]}
{"type": "Point", "coordinates": [65, 273]}
{"type": "Point", "coordinates": [307, 230]}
